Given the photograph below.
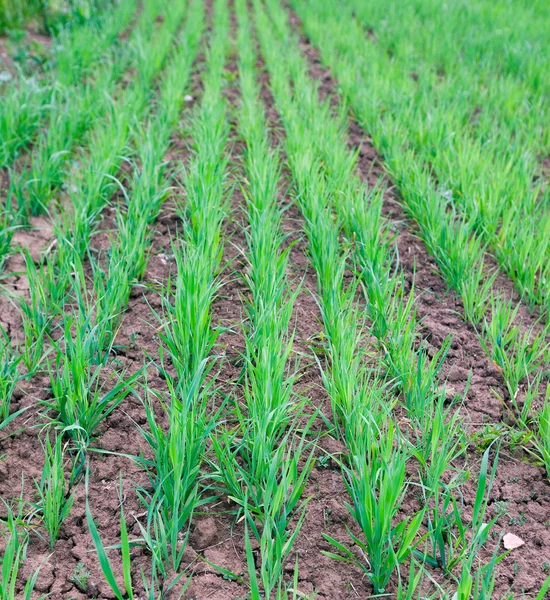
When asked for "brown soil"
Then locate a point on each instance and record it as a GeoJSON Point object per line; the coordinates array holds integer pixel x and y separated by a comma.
{"type": "Point", "coordinates": [215, 537]}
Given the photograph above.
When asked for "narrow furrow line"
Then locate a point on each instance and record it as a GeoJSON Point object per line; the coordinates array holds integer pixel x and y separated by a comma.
{"type": "Point", "coordinates": [325, 490]}
{"type": "Point", "coordinates": [181, 414]}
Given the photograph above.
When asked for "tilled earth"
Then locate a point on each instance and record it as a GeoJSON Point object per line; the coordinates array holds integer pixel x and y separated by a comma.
{"type": "Point", "coordinates": [521, 491]}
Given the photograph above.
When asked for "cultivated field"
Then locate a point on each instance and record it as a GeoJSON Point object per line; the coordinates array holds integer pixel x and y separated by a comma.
{"type": "Point", "coordinates": [275, 299]}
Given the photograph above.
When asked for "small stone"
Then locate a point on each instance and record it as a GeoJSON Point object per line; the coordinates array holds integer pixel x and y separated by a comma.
{"type": "Point", "coordinates": [511, 541]}
{"type": "Point", "coordinates": [188, 98]}
{"type": "Point", "coordinates": [166, 258]}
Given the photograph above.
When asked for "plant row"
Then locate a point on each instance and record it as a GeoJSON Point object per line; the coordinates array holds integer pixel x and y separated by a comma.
{"type": "Point", "coordinates": [178, 433]}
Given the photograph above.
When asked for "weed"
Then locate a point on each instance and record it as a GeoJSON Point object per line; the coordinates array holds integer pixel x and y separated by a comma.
{"type": "Point", "coordinates": [80, 576]}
